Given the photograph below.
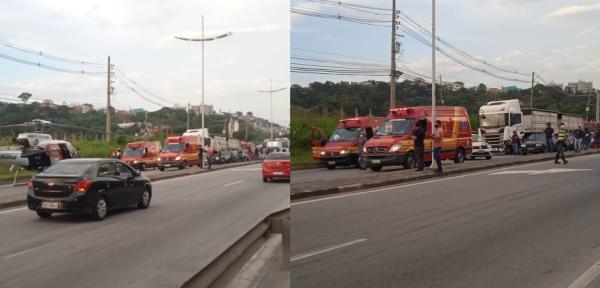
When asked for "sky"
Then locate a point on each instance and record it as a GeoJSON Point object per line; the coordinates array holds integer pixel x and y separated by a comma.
{"type": "Point", "coordinates": [138, 36]}
{"type": "Point", "coordinates": [558, 39]}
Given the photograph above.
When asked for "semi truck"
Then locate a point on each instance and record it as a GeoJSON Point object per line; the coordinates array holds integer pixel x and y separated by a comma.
{"type": "Point", "coordinates": [499, 119]}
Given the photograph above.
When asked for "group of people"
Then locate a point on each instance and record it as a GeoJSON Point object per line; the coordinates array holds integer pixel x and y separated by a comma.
{"type": "Point", "coordinates": [419, 136]}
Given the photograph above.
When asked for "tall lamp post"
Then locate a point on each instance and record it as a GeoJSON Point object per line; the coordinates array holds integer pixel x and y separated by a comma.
{"type": "Point", "coordinates": [203, 39]}
{"type": "Point", "coordinates": [271, 92]}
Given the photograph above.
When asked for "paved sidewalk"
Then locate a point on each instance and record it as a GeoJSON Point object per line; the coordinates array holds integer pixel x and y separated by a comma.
{"type": "Point", "coordinates": [322, 181]}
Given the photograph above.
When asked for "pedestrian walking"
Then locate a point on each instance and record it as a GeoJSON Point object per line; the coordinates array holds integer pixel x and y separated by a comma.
{"type": "Point", "coordinates": [438, 139]}
{"type": "Point", "coordinates": [362, 139]}
{"type": "Point", "coordinates": [201, 156]}
{"type": "Point", "coordinates": [560, 146]}
{"type": "Point", "coordinates": [578, 135]}
{"type": "Point", "coordinates": [549, 145]}
{"type": "Point", "coordinates": [516, 142]}
{"type": "Point", "coordinates": [209, 156]}
{"type": "Point", "coordinates": [419, 136]}
{"type": "Point", "coordinates": [587, 138]}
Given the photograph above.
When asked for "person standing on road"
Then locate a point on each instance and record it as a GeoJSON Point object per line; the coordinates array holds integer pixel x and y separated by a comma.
{"type": "Point", "coordinates": [361, 154]}
{"type": "Point", "coordinates": [516, 142]}
{"type": "Point", "coordinates": [209, 156]}
{"type": "Point", "coordinates": [587, 138]}
{"type": "Point", "coordinates": [578, 135]}
{"type": "Point", "coordinates": [560, 146]}
{"type": "Point", "coordinates": [201, 156]}
{"type": "Point", "coordinates": [549, 145]}
{"type": "Point", "coordinates": [419, 136]}
{"type": "Point", "coordinates": [438, 139]}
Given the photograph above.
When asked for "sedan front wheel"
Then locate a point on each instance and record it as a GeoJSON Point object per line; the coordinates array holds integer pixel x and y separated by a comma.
{"type": "Point", "coordinates": [145, 201]}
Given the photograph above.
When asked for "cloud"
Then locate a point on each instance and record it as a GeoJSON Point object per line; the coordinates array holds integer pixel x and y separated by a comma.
{"type": "Point", "coordinates": [587, 31]}
{"type": "Point", "coordinates": [572, 10]}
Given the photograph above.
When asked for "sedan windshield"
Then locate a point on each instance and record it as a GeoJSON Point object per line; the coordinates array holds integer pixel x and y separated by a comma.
{"type": "Point", "coordinates": [174, 147]}
{"type": "Point", "coordinates": [132, 152]}
{"type": "Point", "coordinates": [344, 135]}
{"type": "Point", "coordinates": [396, 127]}
{"type": "Point", "coordinates": [68, 168]}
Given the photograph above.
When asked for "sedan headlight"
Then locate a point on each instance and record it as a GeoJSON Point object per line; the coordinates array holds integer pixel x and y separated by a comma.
{"type": "Point", "coordinates": [523, 145]}
{"type": "Point", "coordinates": [136, 162]}
{"type": "Point", "coordinates": [344, 152]}
{"type": "Point", "coordinates": [395, 148]}
{"type": "Point", "coordinates": [322, 153]}
{"type": "Point", "coordinates": [365, 149]}
{"type": "Point", "coordinates": [178, 158]}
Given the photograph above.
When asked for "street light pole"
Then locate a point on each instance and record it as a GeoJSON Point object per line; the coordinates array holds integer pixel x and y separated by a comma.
{"type": "Point", "coordinates": [202, 39]}
{"type": "Point", "coordinates": [433, 118]}
{"type": "Point", "coordinates": [271, 93]}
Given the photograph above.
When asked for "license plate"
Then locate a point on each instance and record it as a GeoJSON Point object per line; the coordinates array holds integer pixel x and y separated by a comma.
{"type": "Point", "coordinates": [277, 173]}
{"type": "Point", "coordinates": [167, 165]}
{"type": "Point", "coordinates": [376, 161]}
{"type": "Point", "coordinates": [331, 162]}
{"type": "Point", "coordinates": [50, 205]}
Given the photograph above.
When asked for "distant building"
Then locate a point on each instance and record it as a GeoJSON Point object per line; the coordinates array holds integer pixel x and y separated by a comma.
{"type": "Point", "coordinates": [123, 113]}
{"type": "Point", "coordinates": [556, 85]}
{"type": "Point", "coordinates": [197, 109]}
{"type": "Point", "coordinates": [507, 89]}
{"type": "Point", "coordinates": [580, 86]}
{"type": "Point", "coordinates": [494, 90]}
{"type": "Point", "coordinates": [457, 86]}
{"type": "Point", "coordinates": [48, 103]}
{"type": "Point", "coordinates": [137, 110]}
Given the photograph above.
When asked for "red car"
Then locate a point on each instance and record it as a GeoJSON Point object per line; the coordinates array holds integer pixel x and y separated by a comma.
{"type": "Point", "coordinates": [276, 166]}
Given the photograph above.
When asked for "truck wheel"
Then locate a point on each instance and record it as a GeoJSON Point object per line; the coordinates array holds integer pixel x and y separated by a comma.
{"type": "Point", "coordinates": [460, 156]}
{"type": "Point", "coordinates": [410, 161]}
{"type": "Point", "coordinates": [330, 167]}
{"type": "Point", "coordinates": [375, 168]}
{"type": "Point", "coordinates": [488, 157]}
{"type": "Point", "coordinates": [161, 168]}
{"type": "Point", "coordinates": [183, 165]}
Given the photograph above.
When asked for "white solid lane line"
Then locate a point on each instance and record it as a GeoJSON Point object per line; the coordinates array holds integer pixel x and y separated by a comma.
{"type": "Point", "coordinates": [311, 254]}
{"type": "Point", "coordinates": [12, 210]}
{"type": "Point", "coordinates": [22, 252]}
{"type": "Point", "coordinates": [233, 183]}
{"type": "Point", "coordinates": [350, 194]}
{"type": "Point", "coordinates": [587, 277]}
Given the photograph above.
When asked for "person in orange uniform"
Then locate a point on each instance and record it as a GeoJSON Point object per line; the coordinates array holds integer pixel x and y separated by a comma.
{"type": "Point", "coordinates": [438, 137]}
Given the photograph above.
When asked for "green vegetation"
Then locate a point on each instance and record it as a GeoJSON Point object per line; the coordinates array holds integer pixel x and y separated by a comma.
{"type": "Point", "coordinates": [322, 104]}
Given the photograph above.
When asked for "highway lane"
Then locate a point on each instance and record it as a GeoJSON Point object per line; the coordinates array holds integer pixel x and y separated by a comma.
{"type": "Point", "coordinates": [191, 220]}
{"type": "Point", "coordinates": [523, 226]}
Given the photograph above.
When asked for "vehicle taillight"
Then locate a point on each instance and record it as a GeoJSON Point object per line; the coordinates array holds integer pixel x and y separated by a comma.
{"type": "Point", "coordinates": [30, 184]}
{"type": "Point", "coordinates": [83, 186]}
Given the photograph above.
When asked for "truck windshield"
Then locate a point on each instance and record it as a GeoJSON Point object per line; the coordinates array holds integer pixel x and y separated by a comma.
{"type": "Point", "coordinates": [396, 127]}
{"type": "Point", "coordinates": [174, 147]}
{"type": "Point", "coordinates": [492, 120]}
{"type": "Point", "coordinates": [344, 135]}
{"type": "Point", "coordinates": [132, 152]}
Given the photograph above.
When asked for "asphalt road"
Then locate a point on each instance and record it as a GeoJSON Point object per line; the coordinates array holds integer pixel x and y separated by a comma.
{"type": "Point", "coordinates": [191, 220]}
{"type": "Point", "coordinates": [536, 227]}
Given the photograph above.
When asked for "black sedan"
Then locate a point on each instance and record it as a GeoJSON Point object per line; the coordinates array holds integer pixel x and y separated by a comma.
{"type": "Point", "coordinates": [533, 143]}
{"type": "Point", "coordinates": [88, 186]}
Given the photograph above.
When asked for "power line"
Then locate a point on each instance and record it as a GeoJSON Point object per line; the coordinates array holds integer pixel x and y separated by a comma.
{"type": "Point", "coordinates": [53, 68]}
{"type": "Point", "coordinates": [49, 56]}
{"type": "Point", "coordinates": [359, 8]}
{"type": "Point", "coordinates": [138, 93]}
{"type": "Point", "coordinates": [364, 21]}
{"type": "Point", "coordinates": [122, 74]}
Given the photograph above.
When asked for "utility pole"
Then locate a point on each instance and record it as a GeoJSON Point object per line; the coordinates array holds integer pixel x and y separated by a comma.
{"type": "Point", "coordinates": [393, 60]}
{"type": "Point", "coordinates": [532, 83]}
{"type": "Point", "coordinates": [108, 92]}
{"type": "Point", "coordinates": [202, 108]}
{"type": "Point", "coordinates": [587, 108]}
{"type": "Point", "coordinates": [441, 90]}
{"type": "Point", "coordinates": [188, 118]}
{"type": "Point", "coordinates": [146, 125]}
{"type": "Point", "coordinates": [433, 163]}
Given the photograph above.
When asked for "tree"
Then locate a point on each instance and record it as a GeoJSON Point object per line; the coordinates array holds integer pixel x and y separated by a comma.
{"type": "Point", "coordinates": [481, 88]}
{"type": "Point", "coordinates": [25, 97]}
